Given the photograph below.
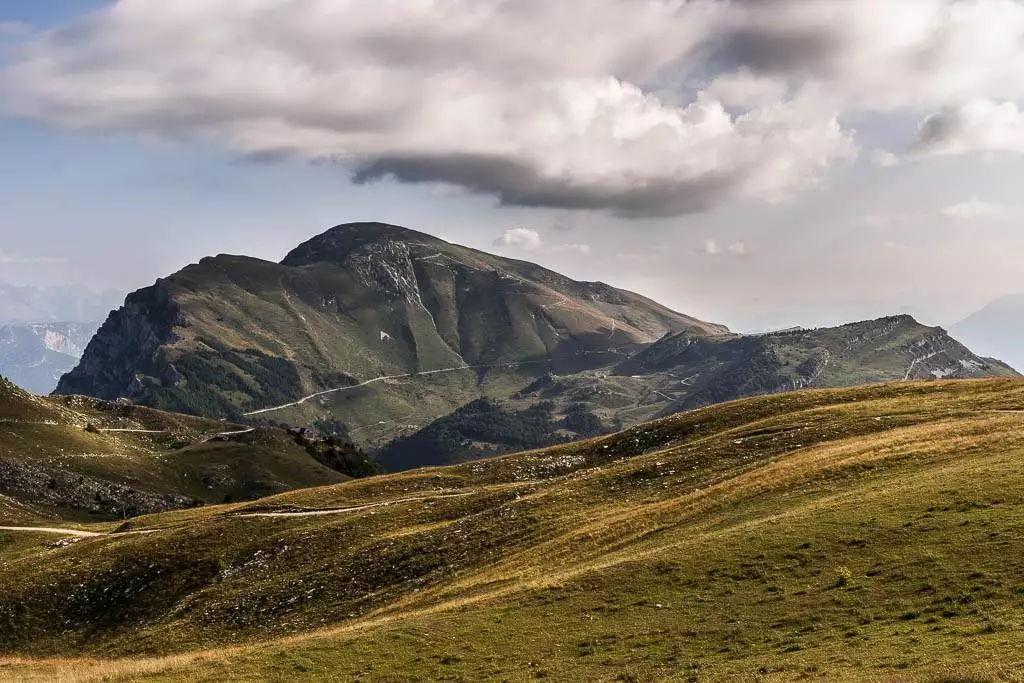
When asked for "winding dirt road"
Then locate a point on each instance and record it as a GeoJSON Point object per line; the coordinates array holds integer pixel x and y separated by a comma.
{"type": "Point", "coordinates": [318, 394]}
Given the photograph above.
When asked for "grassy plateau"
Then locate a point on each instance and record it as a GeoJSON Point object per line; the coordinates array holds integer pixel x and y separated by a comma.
{"type": "Point", "coordinates": [872, 533]}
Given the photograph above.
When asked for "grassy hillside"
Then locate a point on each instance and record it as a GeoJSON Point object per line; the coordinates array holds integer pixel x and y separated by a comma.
{"type": "Point", "coordinates": [871, 533]}
{"type": "Point", "coordinates": [82, 458]}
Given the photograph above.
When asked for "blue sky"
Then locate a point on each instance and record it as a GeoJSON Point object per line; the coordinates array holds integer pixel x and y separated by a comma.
{"type": "Point", "coordinates": [47, 13]}
{"type": "Point", "coordinates": [818, 227]}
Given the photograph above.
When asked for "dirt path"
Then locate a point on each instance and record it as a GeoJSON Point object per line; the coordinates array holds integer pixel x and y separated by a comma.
{"type": "Point", "coordinates": [236, 433]}
{"type": "Point", "coordinates": [383, 378]}
{"type": "Point", "coordinates": [52, 530]}
{"type": "Point", "coordinates": [131, 431]}
{"type": "Point", "coordinates": [354, 508]}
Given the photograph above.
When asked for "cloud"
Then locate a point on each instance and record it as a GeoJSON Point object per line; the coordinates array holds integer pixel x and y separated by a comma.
{"type": "Point", "coordinates": [713, 248]}
{"type": "Point", "coordinates": [971, 210]}
{"type": "Point", "coordinates": [520, 237]}
{"type": "Point", "coordinates": [878, 55]}
{"type": "Point", "coordinates": [652, 108]}
{"type": "Point", "coordinates": [13, 29]}
{"type": "Point", "coordinates": [578, 248]}
{"type": "Point", "coordinates": [633, 256]}
{"type": "Point", "coordinates": [981, 126]}
{"type": "Point", "coordinates": [28, 260]}
{"type": "Point", "coordinates": [881, 221]}
{"type": "Point", "coordinates": [534, 103]}
{"type": "Point", "coordinates": [884, 158]}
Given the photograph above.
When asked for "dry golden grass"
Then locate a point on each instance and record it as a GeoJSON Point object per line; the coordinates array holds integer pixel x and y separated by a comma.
{"type": "Point", "coordinates": [869, 534]}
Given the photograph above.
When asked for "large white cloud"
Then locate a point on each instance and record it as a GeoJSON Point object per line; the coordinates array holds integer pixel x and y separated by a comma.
{"type": "Point", "coordinates": [979, 126]}
{"type": "Point", "coordinates": [637, 107]}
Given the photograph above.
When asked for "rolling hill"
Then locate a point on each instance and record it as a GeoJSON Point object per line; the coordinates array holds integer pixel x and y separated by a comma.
{"type": "Point", "coordinates": [893, 348]}
{"type": "Point", "coordinates": [871, 533]}
{"type": "Point", "coordinates": [86, 459]}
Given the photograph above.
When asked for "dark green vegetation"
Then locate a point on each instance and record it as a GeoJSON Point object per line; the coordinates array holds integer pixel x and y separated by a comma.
{"type": "Point", "coordinates": [476, 430]}
{"type": "Point", "coordinates": [83, 458]}
{"type": "Point", "coordinates": [874, 533]}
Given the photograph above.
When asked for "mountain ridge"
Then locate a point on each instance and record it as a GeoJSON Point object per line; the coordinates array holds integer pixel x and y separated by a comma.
{"type": "Point", "coordinates": [354, 302]}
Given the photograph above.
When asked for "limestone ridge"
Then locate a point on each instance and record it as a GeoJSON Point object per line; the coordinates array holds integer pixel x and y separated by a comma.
{"type": "Point", "coordinates": [35, 355]}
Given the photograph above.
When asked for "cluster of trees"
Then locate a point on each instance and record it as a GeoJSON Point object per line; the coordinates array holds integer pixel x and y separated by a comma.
{"type": "Point", "coordinates": [211, 376]}
{"type": "Point", "coordinates": [344, 457]}
{"type": "Point", "coordinates": [334, 449]}
{"type": "Point", "coordinates": [580, 420]}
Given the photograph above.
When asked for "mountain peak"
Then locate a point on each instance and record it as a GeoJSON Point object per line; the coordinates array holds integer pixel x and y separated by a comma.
{"type": "Point", "coordinates": [341, 240]}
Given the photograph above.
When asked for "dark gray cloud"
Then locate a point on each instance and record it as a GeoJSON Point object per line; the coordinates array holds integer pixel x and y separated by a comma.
{"type": "Point", "coordinates": [773, 50]}
{"type": "Point", "coordinates": [519, 184]}
{"type": "Point", "coordinates": [979, 126]}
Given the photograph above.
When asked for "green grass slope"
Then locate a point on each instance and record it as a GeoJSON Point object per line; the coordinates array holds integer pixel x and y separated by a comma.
{"type": "Point", "coordinates": [86, 459]}
{"type": "Point", "coordinates": [872, 533]}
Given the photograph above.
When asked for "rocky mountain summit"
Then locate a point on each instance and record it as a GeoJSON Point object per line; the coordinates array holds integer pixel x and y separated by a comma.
{"type": "Point", "coordinates": [233, 334]}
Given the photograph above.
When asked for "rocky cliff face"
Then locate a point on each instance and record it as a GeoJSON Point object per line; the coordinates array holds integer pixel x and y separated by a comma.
{"type": "Point", "coordinates": [127, 348]}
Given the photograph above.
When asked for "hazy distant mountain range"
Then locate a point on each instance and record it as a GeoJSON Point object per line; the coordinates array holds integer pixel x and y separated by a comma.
{"type": "Point", "coordinates": [43, 332]}
{"type": "Point", "coordinates": [996, 330]}
{"type": "Point", "coordinates": [35, 355]}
